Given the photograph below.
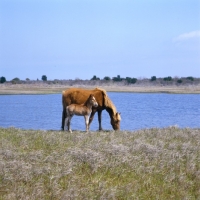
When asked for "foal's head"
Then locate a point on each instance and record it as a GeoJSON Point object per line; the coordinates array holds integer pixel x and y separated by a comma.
{"type": "Point", "coordinates": [92, 101]}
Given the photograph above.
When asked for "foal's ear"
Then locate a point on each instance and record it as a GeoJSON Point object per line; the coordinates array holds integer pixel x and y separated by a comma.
{"type": "Point", "coordinates": [91, 96]}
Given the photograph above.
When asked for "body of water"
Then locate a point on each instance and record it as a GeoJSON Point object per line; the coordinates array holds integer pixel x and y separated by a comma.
{"type": "Point", "coordinates": [138, 111]}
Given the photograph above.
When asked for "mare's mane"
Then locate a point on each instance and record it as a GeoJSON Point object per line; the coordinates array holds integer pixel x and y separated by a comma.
{"type": "Point", "coordinates": [107, 102]}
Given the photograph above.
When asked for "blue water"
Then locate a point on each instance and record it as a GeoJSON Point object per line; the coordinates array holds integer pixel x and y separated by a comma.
{"type": "Point", "coordinates": [137, 111]}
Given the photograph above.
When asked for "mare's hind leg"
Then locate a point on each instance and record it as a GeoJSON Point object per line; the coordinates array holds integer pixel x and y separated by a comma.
{"type": "Point", "coordinates": [66, 121]}
{"type": "Point", "coordinates": [63, 119]}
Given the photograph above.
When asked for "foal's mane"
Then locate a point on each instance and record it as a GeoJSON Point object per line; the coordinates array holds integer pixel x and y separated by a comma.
{"type": "Point", "coordinates": [85, 104]}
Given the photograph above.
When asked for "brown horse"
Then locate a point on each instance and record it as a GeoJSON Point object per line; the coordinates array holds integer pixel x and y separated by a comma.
{"type": "Point", "coordinates": [79, 96]}
{"type": "Point", "coordinates": [81, 110]}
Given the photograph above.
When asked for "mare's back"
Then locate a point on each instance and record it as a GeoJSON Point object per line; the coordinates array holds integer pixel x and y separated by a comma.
{"type": "Point", "coordinates": [79, 96]}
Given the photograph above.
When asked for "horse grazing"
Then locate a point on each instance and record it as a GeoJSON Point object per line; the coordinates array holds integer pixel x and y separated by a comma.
{"type": "Point", "coordinates": [81, 110]}
{"type": "Point", "coordinates": [79, 96]}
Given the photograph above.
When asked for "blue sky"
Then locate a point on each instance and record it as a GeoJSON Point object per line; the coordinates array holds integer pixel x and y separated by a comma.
{"type": "Point", "coordinates": [69, 39]}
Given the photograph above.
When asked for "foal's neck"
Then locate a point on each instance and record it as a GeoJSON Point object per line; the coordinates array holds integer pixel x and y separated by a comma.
{"type": "Point", "coordinates": [88, 104]}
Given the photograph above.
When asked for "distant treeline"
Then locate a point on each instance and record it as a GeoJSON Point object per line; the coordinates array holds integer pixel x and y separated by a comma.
{"type": "Point", "coordinates": [108, 80]}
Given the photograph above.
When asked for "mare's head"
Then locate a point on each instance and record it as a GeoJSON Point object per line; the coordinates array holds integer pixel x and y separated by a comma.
{"type": "Point", "coordinates": [92, 101]}
{"type": "Point", "coordinates": [115, 121]}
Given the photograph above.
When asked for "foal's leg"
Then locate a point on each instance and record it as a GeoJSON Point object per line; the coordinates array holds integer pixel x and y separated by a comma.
{"type": "Point", "coordinates": [68, 123]}
{"type": "Point", "coordinates": [87, 122]}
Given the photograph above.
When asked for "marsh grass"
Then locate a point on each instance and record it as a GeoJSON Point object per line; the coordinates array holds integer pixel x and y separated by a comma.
{"type": "Point", "coordinates": [144, 164]}
{"type": "Point", "coordinates": [45, 88]}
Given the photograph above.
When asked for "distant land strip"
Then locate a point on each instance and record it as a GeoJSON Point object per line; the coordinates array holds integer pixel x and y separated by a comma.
{"type": "Point", "coordinates": [46, 88]}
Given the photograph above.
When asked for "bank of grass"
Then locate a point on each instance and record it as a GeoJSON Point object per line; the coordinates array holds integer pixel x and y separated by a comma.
{"type": "Point", "coordinates": [45, 88]}
{"type": "Point", "coordinates": [144, 164]}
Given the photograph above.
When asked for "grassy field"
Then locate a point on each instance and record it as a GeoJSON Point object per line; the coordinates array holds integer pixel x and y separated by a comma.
{"type": "Point", "coordinates": [144, 164]}
{"type": "Point", "coordinates": [45, 88]}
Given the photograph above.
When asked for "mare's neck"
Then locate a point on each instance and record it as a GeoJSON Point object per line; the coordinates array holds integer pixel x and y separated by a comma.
{"type": "Point", "coordinates": [110, 112]}
{"type": "Point", "coordinates": [110, 107]}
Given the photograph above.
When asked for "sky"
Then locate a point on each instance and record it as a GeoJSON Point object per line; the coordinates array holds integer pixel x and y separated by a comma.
{"type": "Point", "coordinates": [77, 39]}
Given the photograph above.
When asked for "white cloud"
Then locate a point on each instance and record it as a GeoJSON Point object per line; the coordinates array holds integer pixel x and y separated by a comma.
{"type": "Point", "coordinates": [186, 36]}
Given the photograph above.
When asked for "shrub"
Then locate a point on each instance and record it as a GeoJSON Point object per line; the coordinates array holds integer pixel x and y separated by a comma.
{"type": "Point", "coordinates": [95, 78]}
{"type": "Point", "coordinates": [128, 79]}
{"type": "Point", "coordinates": [169, 78]}
{"type": "Point", "coordinates": [15, 80]}
{"type": "Point", "coordinates": [2, 79]}
{"type": "Point", "coordinates": [131, 80]}
{"type": "Point", "coordinates": [118, 78]}
{"type": "Point", "coordinates": [44, 78]}
{"type": "Point", "coordinates": [190, 78]}
{"type": "Point", "coordinates": [107, 78]}
{"type": "Point", "coordinates": [153, 78]}
{"type": "Point", "coordinates": [179, 81]}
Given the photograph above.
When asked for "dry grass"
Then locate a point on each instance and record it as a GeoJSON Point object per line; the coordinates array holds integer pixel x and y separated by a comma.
{"type": "Point", "coordinates": [144, 164]}
{"type": "Point", "coordinates": [44, 88]}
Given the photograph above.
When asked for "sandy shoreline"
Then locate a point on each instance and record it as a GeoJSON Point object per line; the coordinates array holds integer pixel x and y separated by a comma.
{"type": "Point", "coordinates": [56, 89]}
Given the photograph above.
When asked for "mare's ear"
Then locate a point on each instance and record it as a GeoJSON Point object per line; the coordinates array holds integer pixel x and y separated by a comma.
{"type": "Point", "coordinates": [118, 116]}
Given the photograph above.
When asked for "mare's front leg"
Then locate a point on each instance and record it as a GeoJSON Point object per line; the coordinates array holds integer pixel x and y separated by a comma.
{"type": "Point", "coordinates": [87, 122]}
{"type": "Point", "coordinates": [65, 123]}
{"type": "Point", "coordinates": [92, 116]}
{"type": "Point", "coordinates": [99, 118]}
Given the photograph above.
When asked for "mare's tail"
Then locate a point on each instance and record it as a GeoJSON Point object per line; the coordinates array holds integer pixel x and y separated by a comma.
{"type": "Point", "coordinates": [63, 112]}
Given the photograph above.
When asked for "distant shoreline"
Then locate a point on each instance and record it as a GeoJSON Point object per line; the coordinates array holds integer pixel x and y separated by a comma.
{"type": "Point", "coordinates": [6, 89]}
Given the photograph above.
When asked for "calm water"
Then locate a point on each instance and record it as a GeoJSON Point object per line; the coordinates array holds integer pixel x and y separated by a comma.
{"type": "Point", "coordinates": [137, 111]}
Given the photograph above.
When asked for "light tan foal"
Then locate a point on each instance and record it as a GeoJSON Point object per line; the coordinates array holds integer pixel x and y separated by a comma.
{"type": "Point", "coordinates": [80, 110]}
